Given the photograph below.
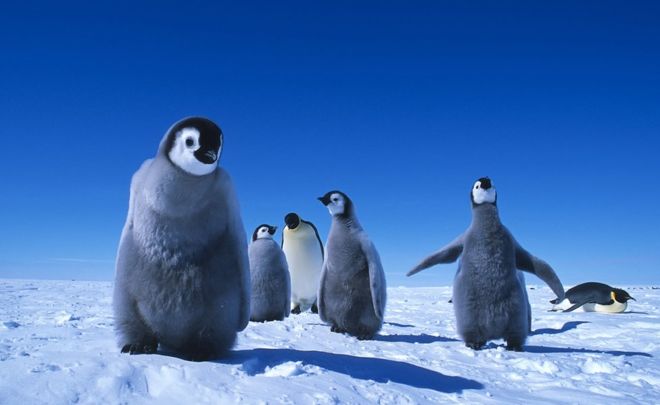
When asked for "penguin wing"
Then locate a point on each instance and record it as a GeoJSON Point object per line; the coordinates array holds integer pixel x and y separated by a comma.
{"type": "Point", "coordinates": [237, 240]}
{"type": "Point", "coordinates": [320, 296]}
{"type": "Point", "coordinates": [581, 300]}
{"type": "Point", "coordinates": [376, 276]}
{"type": "Point", "coordinates": [528, 262]}
{"type": "Point", "coordinates": [447, 254]}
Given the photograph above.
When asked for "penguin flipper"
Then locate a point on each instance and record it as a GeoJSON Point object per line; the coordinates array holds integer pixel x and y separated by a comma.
{"type": "Point", "coordinates": [528, 262]}
{"type": "Point", "coordinates": [376, 277]}
{"type": "Point", "coordinates": [577, 305]}
{"type": "Point", "coordinates": [319, 297]}
{"type": "Point", "coordinates": [447, 254]}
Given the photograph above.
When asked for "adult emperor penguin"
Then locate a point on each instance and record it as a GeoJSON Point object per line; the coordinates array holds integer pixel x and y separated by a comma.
{"type": "Point", "coordinates": [490, 301]}
{"type": "Point", "coordinates": [303, 249]}
{"type": "Point", "coordinates": [352, 292]}
{"type": "Point", "coordinates": [182, 277]}
{"type": "Point", "coordinates": [593, 297]}
{"type": "Point", "coordinates": [271, 287]}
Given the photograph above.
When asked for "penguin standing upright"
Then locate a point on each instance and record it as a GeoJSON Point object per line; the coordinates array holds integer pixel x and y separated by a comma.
{"type": "Point", "coordinates": [352, 292]}
{"type": "Point", "coordinates": [182, 278]}
{"type": "Point", "coordinates": [490, 301]}
{"type": "Point", "coordinates": [271, 287]}
{"type": "Point", "coordinates": [303, 249]}
{"type": "Point", "coordinates": [594, 297]}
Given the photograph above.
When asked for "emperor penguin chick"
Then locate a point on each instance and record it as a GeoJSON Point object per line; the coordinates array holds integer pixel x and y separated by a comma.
{"type": "Point", "coordinates": [352, 293]}
{"type": "Point", "coordinates": [271, 287]}
{"type": "Point", "coordinates": [182, 275]}
{"type": "Point", "coordinates": [303, 249]}
{"type": "Point", "coordinates": [490, 300]}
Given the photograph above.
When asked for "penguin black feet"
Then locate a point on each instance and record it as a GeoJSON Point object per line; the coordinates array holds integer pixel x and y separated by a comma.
{"type": "Point", "coordinates": [337, 329]}
{"type": "Point", "coordinates": [514, 346]}
{"type": "Point", "coordinates": [315, 309]}
{"type": "Point", "coordinates": [296, 310]}
{"type": "Point", "coordinates": [139, 348]}
{"type": "Point", "coordinates": [475, 345]}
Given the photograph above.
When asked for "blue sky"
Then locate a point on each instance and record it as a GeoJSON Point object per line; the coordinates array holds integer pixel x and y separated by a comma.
{"type": "Point", "coordinates": [402, 105]}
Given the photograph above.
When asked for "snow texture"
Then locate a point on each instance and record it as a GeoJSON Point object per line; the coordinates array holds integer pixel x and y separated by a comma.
{"type": "Point", "coordinates": [57, 346]}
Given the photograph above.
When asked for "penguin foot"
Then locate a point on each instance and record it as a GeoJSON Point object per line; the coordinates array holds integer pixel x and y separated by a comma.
{"type": "Point", "coordinates": [315, 309]}
{"type": "Point", "coordinates": [336, 329]}
{"type": "Point", "coordinates": [514, 347]}
{"type": "Point", "coordinates": [296, 310]}
{"type": "Point", "coordinates": [139, 348]}
{"type": "Point", "coordinates": [475, 345]}
{"type": "Point", "coordinates": [365, 336]}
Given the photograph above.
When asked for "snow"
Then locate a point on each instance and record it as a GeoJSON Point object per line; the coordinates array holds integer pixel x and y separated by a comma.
{"type": "Point", "coordinates": [57, 346]}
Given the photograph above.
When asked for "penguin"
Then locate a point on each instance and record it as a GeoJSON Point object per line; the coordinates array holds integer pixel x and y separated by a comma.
{"type": "Point", "coordinates": [593, 297]}
{"type": "Point", "coordinates": [271, 287]}
{"type": "Point", "coordinates": [352, 292]}
{"type": "Point", "coordinates": [303, 249]}
{"type": "Point", "coordinates": [490, 300]}
{"type": "Point", "coordinates": [182, 276]}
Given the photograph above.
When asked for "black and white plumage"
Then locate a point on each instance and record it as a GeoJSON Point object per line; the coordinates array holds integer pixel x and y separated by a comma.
{"type": "Point", "coordinates": [489, 297]}
{"type": "Point", "coordinates": [303, 249]}
{"type": "Point", "coordinates": [182, 274]}
{"type": "Point", "coordinates": [593, 297]}
{"type": "Point", "coordinates": [271, 287]}
{"type": "Point", "coordinates": [352, 292]}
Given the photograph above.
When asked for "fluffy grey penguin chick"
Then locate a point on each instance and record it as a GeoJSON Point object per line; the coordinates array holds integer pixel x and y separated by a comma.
{"type": "Point", "coordinates": [490, 300]}
{"type": "Point", "coordinates": [182, 278]}
{"type": "Point", "coordinates": [271, 286]}
{"type": "Point", "coordinates": [352, 291]}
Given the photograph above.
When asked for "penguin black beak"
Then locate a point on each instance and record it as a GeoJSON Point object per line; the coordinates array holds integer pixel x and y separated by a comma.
{"type": "Point", "coordinates": [211, 155]}
{"type": "Point", "coordinates": [325, 200]}
{"type": "Point", "coordinates": [272, 229]}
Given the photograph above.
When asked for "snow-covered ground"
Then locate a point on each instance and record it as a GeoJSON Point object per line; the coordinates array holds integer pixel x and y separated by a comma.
{"type": "Point", "coordinates": [57, 346]}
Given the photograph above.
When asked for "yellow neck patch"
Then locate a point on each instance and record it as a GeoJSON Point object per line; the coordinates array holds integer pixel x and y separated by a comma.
{"type": "Point", "coordinates": [613, 296]}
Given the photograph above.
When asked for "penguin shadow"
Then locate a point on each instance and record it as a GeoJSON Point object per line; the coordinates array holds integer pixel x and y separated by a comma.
{"type": "Point", "coordinates": [550, 350]}
{"type": "Point", "coordinates": [549, 331]}
{"type": "Point", "coordinates": [421, 339]}
{"type": "Point", "coordinates": [256, 361]}
{"type": "Point", "coordinates": [399, 325]}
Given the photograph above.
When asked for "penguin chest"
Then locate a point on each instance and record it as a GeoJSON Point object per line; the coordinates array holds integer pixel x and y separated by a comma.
{"type": "Point", "coordinates": [615, 308]}
{"type": "Point", "coordinates": [305, 260]}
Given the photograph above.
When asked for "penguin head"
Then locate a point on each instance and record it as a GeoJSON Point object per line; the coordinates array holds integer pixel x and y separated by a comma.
{"type": "Point", "coordinates": [338, 203]}
{"type": "Point", "coordinates": [621, 296]}
{"type": "Point", "coordinates": [194, 145]}
{"type": "Point", "coordinates": [483, 192]}
{"type": "Point", "coordinates": [264, 231]}
{"type": "Point", "coordinates": [292, 220]}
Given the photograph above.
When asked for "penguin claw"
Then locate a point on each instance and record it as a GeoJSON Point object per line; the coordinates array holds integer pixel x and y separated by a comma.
{"type": "Point", "coordinates": [475, 345]}
{"type": "Point", "coordinates": [514, 348]}
{"type": "Point", "coordinates": [336, 329]}
{"type": "Point", "coordinates": [296, 310]}
{"type": "Point", "coordinates": [139, 348]}
{"type": "Point", "coordinates": [315, 309]}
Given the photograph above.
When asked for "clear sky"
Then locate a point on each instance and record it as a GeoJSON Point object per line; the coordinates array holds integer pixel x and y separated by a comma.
{"type": "Point", "coordinates": [402, 105]}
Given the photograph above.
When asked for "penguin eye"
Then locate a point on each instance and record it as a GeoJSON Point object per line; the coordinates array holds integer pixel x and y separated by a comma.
{"type": "Point", "coordinates": [189, 142]}
{"type": "Point", "coordinates": [335, 199]}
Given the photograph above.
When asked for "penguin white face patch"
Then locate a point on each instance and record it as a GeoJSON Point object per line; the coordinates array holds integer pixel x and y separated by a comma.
{"type": "Point", "coordinates": [482, 195]}
{"type": "Point", "coordinates": [337, 204]}
{"type": "Point", "coordinates": [184, 149]}
{"type": "Point", "coordinates": [263, 233]}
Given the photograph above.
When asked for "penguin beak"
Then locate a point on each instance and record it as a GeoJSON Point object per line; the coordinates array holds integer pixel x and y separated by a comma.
{"type": "Point", "coordinates": [325, 200]}
{"type": "Point", "coordinates": [272, 229]}
{"type": "Point", "coordinates": [211, 155]}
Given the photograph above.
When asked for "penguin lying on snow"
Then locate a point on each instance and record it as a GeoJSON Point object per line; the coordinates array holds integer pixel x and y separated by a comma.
{"type": "Point", "coordinates": [490, 300]}
{"type": "Point", "coordinates": [271, 287]}
{"type": "Point", "coordinates": [593, 297]}
{"type": "Point", "coordinates": [182, 277]}
{"type": "Point", "coordinates": [352, 292]}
